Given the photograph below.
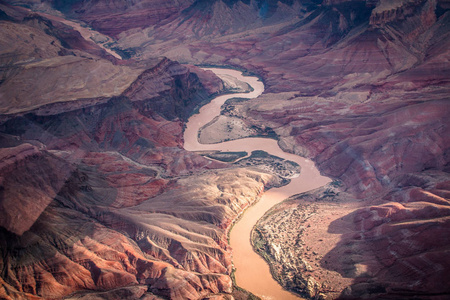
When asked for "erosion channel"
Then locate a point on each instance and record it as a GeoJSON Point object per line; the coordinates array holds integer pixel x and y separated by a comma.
{"type": "Point", "coordinates": [252, 272]}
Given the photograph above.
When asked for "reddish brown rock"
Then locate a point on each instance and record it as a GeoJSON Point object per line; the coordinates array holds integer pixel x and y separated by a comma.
{"type": "Point", "coordinates": [175, 91]}
{"type": "Point", "coordinates": [99, 187]}
{"type": "Point", "coordinates": [396, 248]}
{"type": "Point", "coordinates": [114, 17]}
{"type": "Point", "coordinates": [389, 11]}
{"type": "Point", "coordinates": [24, 199]}
{"type": "Point", "coordinates": [355, 85]}
{"type": "Point", "coordinates": [37, 51]}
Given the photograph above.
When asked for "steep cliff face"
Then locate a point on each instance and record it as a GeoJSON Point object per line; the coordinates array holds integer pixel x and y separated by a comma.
{"type": "Point", "coordinates": [175, 92]}
{"type": "Point", "coordinates": [360, 87]}
{"type": "Point", "coordinates": [115, 16]}
{"type": "Point", "coordinates": [45, 61]}
{"type": "Point", "coordinates": [96, 192]}
{"type": "Point", "coordinates": [103, 197]}
{"type": "Point", "coordinates": [370, 105]}
{"type": "Point", "coordinates": [391, 11]}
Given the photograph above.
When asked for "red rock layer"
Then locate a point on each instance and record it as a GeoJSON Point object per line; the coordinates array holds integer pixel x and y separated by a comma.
{"type": "Point", "coordinates": [369, 103]}
{"type": "Point", "coordinates": [398, 249]}
{"type": "Point", "coordinates": [174, 90]}
{"type": "Point", "coordinates": [102, 206]}
{"type": "Point", "coordinates": [98, 195]}
{"type": "Point", "coordinates": [24, 199]}
{"type": "Point", "coordinates": [357, 86]}
{"type": "Point", "coordinates": [114, 17]}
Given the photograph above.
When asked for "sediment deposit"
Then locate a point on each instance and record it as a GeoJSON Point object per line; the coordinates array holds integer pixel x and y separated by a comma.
{"type": "Point", "coordinates": [359, 87]}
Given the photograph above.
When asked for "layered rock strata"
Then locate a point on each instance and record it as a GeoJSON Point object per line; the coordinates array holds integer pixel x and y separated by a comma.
{"type": "Point", "coordinates": [98, 197]}
{"type": "Point", "coordinates": [360, 87]}
{"type": "Point", "coordinates": [369, 104]}
{"type": "Point", "coordinates": [104, 197]}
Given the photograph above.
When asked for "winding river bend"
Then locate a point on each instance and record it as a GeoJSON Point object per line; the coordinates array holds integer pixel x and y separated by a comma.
{"type": "Point", "coordinates": [252, 272]}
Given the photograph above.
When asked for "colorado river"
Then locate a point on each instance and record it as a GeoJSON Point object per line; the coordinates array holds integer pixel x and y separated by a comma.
{"type": "Point", "coordinates": [252, 272]}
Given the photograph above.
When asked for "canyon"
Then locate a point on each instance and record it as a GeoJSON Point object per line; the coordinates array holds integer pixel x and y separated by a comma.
{"type": "Point", "coordinates": [100, 198]}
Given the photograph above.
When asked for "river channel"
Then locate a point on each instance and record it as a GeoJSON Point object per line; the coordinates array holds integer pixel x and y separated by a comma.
{"type": "Point", "coordinates": [252, 272]}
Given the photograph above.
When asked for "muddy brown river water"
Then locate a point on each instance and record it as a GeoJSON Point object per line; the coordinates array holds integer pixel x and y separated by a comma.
{"type": "Point", "coordinates": [252, 271]}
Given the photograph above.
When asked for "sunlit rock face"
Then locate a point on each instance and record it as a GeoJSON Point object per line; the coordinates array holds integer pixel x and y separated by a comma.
{"type": "Point", "coordinates": [365, 94]}
{"type": "Point", "coordinates": [104, 197]}
{"type": "Point", "coordinates": [98, 194]}
{"type": "Point", "coordinates": [69, 181]}
{"type": "Point", "coordinates": [372, 111]}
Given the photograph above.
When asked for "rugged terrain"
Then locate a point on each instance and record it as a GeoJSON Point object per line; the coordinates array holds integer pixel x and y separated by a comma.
{"type": "Point", "coordinates": [94, 144]}
{"type": "Point", "coordinates": [380, 125]}
{"type": "Point", "coordinates": [98, 197]}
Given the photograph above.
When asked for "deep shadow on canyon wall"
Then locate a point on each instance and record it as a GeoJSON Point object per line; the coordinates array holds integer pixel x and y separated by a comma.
{"type": "Point", "coordinates": [97, 193]}
{"type": "Point", "coordinates": [360, 87]}
{"type": "Point", "coordinates": [362, 90]}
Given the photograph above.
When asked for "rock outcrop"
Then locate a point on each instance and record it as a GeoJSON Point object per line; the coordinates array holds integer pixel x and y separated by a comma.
{"type": "Point", "coordinates": [391, 11]}
{"type": "Point", "coordinates": [114, 17]}
{"type": "Point", "coordinates": [104, 198]}
{"type": "Point", "coordinates": [369, 104]}
{"type": "Point", "coordinates": [98, 198]}
{"type": "Point", "coordinates": [392, 250]}
{"type": "Point", "coordinates": [24, 199]}
{"type": "Point", "coordinates": [45, 62]}
{"type": "Point", "coordinates": [360, 87]}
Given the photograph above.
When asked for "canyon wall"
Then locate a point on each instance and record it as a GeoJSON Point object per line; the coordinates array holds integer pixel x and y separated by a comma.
{"type": "Point", "coordinates": [94, 165]}
{"type": "Point", "coordinates": [363, 91]}
{"type": "Point", "coordinates": [97, 193]}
